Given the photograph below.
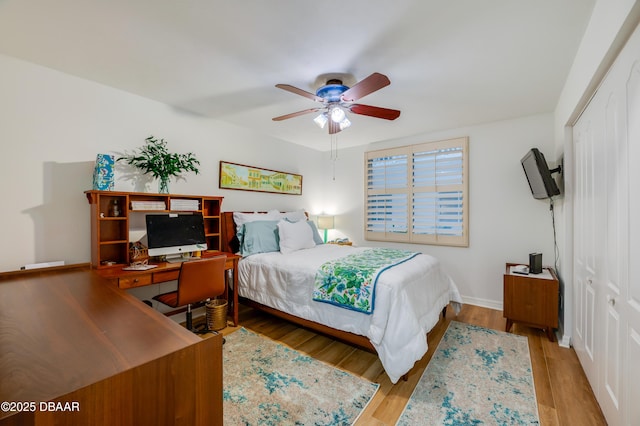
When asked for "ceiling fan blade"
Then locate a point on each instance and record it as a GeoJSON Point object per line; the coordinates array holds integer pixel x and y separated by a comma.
{"type": "Point", "coordinates": [375, 81]}
{"type": "Point", "coordinates": [295, 114]}
{"type": "Point", "coordinates": [373, 111]}
{"type": "Point", "coordinates": [300, 92]}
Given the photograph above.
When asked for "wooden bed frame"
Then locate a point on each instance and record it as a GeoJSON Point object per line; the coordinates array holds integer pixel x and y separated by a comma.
{"type": "Point", "coordinates": [230, 244]}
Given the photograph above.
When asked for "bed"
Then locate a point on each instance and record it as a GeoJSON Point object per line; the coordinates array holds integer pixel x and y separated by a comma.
{"type": "Point", "coordinates": [407, 298]}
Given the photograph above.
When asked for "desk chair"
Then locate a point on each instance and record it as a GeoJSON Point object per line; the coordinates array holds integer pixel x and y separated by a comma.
{"type": "Point", "coordinates": [199, 280]}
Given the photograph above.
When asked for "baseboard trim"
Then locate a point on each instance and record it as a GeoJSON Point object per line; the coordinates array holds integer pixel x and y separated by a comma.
{"type": "Point", "coordinates": [484, 303]}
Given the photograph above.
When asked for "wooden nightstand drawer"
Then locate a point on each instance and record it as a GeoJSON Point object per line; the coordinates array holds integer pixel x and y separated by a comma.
{"type": "Point", "coordinates": [134, 281]}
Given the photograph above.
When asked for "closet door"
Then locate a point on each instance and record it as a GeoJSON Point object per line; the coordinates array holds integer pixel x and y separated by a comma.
{"type": "Point", "coordinates": [619, 390]}
{"type": "Point", "coordinates": [587, 223]}
{"type": "Point", "coordinates": [629, 299]}
{"type": "Point", "coordinates": [614, 250]}
{"type": "Point", "coordinates": [607, 239]}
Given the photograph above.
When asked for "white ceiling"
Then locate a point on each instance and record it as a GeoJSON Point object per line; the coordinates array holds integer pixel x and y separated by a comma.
{"type": "Point", "coordinates": [451, 63]}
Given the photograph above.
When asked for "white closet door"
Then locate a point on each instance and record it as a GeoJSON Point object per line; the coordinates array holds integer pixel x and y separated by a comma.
{"type": "Point", "coordinates": [630, 290]}
{"type": "Point", "coordinates": [606, 332]}
{"type": "Point", "coordinates": [614, 250]}
{"type": "Point", "coordinates": [586, 238]}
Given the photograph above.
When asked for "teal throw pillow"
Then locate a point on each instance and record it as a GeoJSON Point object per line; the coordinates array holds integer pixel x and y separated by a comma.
{"type": "Point", "coordinates": [260, 236]}
{"type": "Point", "coordinates": [316, 235]}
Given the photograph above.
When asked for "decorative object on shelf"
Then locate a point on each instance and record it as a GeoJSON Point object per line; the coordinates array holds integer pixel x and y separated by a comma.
{"type": "Point", "coordinates": [103, 178]}
{"type": "Point", "coordinates": [326, 222]}
{"type": "Point", "coordinates": [114, 208]}
{"type": "Point", "coordinates": [138, 254]}
{"type": "Point", "coordinates": [249, 178]}
{"type": "Point", "coordinates": [154, 158]}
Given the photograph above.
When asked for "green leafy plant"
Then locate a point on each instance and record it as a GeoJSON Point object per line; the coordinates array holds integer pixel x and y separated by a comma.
{"type": "Point", "coordinates": [154, 158]}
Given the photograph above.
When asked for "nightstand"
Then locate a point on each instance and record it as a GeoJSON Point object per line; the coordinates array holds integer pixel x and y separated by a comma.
{"type": "Point", "coordinates": [531, 299]}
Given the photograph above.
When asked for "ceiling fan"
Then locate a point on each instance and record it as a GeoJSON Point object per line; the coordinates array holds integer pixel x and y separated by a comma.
{"type": "Point", "coordinates": [336, 98]}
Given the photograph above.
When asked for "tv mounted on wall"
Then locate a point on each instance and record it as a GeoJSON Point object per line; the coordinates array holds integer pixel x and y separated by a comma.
{"type": "Point", "coordinates": [539, 176]}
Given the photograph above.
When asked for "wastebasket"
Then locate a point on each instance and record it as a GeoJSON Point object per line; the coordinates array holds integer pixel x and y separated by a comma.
{"type": "Point", "coordinates": [216, 314]}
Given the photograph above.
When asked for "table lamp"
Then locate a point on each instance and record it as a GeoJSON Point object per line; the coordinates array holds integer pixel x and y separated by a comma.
{"type": "Point", "coordinates": [326, 222]}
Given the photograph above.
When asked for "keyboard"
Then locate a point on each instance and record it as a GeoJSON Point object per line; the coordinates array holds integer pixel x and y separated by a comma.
{"type": "Point", "coordinates": [139, 267]}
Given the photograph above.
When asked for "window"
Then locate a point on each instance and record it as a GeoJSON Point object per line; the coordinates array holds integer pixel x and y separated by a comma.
{"type": "Point", "coordinates": [418, 193]}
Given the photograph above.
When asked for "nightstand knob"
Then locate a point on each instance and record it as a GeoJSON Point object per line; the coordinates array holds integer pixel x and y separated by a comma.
{"type": "Point", "coordinates": [611, 300]}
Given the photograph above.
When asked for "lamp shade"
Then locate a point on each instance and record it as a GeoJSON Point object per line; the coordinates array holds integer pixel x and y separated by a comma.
{"type": "Point", "coordinates": [326, 222]}
{"type": "Point", "coordinates": [321, 120]}
{"type": "Point", "coordinates": [337, 114]}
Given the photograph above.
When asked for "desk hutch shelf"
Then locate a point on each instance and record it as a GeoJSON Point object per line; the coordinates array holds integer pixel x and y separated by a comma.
{"type": "Point", "coordinates": [112, 215]}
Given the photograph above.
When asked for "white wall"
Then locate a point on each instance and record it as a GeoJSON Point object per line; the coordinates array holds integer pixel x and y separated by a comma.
{"type": "Point", "coordinates": [52, 127]}
{"type": "Point", "coordinates": [506, 222]}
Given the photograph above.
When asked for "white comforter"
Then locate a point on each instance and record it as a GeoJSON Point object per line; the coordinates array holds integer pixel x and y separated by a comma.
{"type": "Point", "coordinates": [408, 301]}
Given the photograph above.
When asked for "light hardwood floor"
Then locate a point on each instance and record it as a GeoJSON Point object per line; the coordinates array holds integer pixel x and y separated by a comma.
{"type": "Point", "coordinates": [563, 392]}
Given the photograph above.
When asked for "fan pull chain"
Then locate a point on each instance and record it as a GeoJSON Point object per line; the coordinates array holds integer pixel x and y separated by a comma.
{"type": "Point", "coordinates": [334, 153]}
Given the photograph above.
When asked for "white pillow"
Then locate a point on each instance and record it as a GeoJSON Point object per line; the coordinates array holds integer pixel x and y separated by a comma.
{"type": "Point", "coordinates": [241, 218]}
{"type": "Point", "coordinates": [295, 236]}
{"type": "Point", "coordinates": [293, 216]}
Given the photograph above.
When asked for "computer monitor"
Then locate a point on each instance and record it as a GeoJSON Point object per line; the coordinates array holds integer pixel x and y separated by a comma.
{"type": "Point", "coordinates": [174, 235]}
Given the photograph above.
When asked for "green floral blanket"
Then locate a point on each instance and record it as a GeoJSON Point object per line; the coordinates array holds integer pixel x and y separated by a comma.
{"type": "Point", "coordinates": [350, 281]}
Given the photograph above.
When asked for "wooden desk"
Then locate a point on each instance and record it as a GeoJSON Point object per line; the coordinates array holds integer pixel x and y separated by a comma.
{"type": "Point", "coordinates": [169, 272]}
{"type": "Point", "coordinates": [67, 337]}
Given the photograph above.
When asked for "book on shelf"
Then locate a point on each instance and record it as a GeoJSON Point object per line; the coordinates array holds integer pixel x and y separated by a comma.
{"type": "Point", "coordinates": [184, 204]}
{"type": "Point", "coordinates": [148, 205]}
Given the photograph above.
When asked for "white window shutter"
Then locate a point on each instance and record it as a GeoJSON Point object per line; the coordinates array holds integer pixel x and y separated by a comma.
{"type": "Point", "coordinates": [418, 193]}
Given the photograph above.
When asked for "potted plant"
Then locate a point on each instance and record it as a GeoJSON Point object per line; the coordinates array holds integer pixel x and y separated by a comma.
{"type": "Point", "coordinates": [154, 158]}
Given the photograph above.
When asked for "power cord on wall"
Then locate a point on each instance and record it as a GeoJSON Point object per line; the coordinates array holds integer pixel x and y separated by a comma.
{"type": "Point", "coordinates": [555, 239]}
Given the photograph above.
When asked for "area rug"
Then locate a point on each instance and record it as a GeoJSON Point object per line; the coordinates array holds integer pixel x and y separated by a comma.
{"type": "Point", "coordinates": [266, 383]}
{"type": "Point", "coordinates": [476, 376]}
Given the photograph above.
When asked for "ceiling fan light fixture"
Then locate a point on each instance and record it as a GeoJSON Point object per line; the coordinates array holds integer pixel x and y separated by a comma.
{"type": "Point", "coordinates": [345, 123]}
{"type": "Point", "coordinates": [321, 120]}
{"type": "Point", "coordinates": [337, 114]}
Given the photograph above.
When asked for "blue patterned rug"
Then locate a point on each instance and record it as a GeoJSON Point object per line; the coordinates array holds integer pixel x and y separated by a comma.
{"type": "Point", "coordinates": [477, 376]}
{"type": "Point", "coordinates": [266, 383]}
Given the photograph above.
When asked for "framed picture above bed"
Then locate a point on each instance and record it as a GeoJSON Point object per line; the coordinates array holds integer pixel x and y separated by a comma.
{"type": "Point", "coordinates": [250, 178]}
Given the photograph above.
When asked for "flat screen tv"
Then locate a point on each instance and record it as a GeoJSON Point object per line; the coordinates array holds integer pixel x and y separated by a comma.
{"type": "Point", "coordinates": [539, 176]}
{"type": "Point", "coordinates": [174, 235]}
